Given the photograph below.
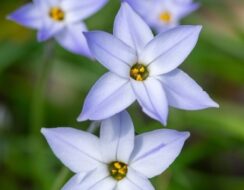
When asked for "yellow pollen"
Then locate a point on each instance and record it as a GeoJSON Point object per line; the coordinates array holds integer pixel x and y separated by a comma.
{"type": "Point", "coordinates": [139, 72]}
{"type": "Point", "coordinates": [165, 16]}
{"type": "Point", "coordinates": [57, 14]}
{"type": "Point", "coordinates": [118, 170]}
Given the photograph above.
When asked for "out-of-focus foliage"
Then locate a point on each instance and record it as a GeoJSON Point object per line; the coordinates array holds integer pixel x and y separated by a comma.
{"type": "Point", "coordinates": [213, 158]}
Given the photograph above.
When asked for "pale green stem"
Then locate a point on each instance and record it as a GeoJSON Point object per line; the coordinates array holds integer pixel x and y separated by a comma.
{"type": "Point", "coordinates": [43, 72]}
{"type": "Point", "coordinates": [62, 176]}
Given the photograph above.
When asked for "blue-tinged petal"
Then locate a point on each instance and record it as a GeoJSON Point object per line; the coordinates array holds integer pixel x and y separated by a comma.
{"type": "Point", "coordinates": [142, 7]}
{"type": "Point", "coordinates": [27, 15]}
{"type": "Point", "coordinates": [185, 9]}
{"type": "Point", "coordinates": [96, 178]}
{"type": "Point", "coordinates": [117, 138]}
{"type": "Point", "coordinates": [111, 52]}
{"type": "Point", "coordinates": [74, 181]}
{"type": "Point", "coordinates": [155, 151]}
{"type": "Point", "coordinates": [139, 180]}
{"type": "Point", "coordinates": [78, 150]}
{"type": "Point", "coordinates": [169, 49]}
{"type": "Point", "coordinates": [134, 181]}
{"type": "Point", "coordinates": [49, 29]}
{"type": "Point", "coordinates": [109, 96]}
{"type": "Point", "coordinates": [79, 10]}
{"type": "Point", "coordinates": [184, 93]}
{"type": "Point", "coordinates": [152, 98]}
{"type": "Point", "coordinates": [106, 183]}
{"type": "Point", "coordinates": [126, 184]}
{"type": "Point", "coordinates": [42, 5]}
{"type": "Point", "coordinates": [73, 39]}
{"type": "Point", "coordinates": [131, 29]}
{"type": "Point", "coordinates": [53, 2]}
{"type": "Point", "coordinates": [47, 3]}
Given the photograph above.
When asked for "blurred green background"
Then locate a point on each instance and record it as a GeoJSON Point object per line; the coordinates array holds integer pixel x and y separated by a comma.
{"type": "Point", "coordinates": [213, 158]}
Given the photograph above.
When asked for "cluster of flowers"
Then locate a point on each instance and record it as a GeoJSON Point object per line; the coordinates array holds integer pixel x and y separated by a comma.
{"type": "Point", "coordinates": [141, 67]}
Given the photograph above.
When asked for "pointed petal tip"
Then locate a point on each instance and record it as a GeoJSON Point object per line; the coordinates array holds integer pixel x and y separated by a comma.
{"type": "Point", "coordinates": [82, 117]}
{"type": "Point", "coordinates": [12, 17]}
{"type": "Point", "coordinates": [186, 134]}
{"type": "Point", "coordinates": [215, 105]}
{"type": "Point", "coordinates": [211, 104]}
{"type": "Point", "coordinates": [44, 131]}
{"type": "Point", "coordinates": [9, 17]}
{"type": "Point", "coordinates": [199, 27]}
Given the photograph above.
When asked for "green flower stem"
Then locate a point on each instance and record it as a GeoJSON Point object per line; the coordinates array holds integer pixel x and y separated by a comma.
{"type": "Point", "coordinates": [37, 109]}
{"type": "Point", "coordinates": [62, 176]}
{"type": "Point", "coordinates": [37, 113]}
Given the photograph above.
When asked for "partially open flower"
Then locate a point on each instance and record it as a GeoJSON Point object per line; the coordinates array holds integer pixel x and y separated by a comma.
{"type": "Point", "coordinates": [163, 14]}
{"type": "Point", "coordinates": [117, 160]}
{"type": "Point", "coordinates": [59, 19]}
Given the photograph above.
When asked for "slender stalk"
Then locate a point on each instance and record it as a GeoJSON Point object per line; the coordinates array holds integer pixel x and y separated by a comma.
{"type": "Point", "coordinates": [37, 116]}
{"type": "Point", "coordinates": [58, 183]}
{"type": "Point", "coordinates": [37, 109]}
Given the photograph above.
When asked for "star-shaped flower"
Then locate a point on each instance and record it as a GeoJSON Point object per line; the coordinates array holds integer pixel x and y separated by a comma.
{"type": "Point", "coordinates": [163, 14]}
{"type": "Point", "coordinates": [117, 160]}
{"type": "Point", "coordinates": [142, 68]}
{"type": "Point", "coordinates": [60, 19]}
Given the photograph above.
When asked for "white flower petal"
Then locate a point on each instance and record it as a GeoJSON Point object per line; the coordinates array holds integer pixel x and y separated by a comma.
{"type": "Point", "coordinates": [110, 95]}
{"type": "Point", "coordinates": [187, 8]}
{"type": "Point", "coordinates": [111, 52]}
{"type": "Point", "coordinates": [27, 15]}
{"type": "Point", "coordinates": [152, 98]}
{"type": "Point", "coordinates": [169, 49]}
{"type": "Point", "coordinates": [78, 150]}
{"type": "Point", "coordinates": [155, 151]}
{"type": "Point", "coordinates": [81, 9]}
{"type": "Point", "coordinates": [49, 29]}
{"type": "Point", "coordinates": [184, 93]}
{"type": "Point", "coordinates": [131, 29]}
{"type": "Point", "coordinates": [42, 4]}
{"type": "Point", "coordinates": [94, 178]}
{"type": "Point", "coordinates": [74, 181]}
{"type": "Point", "coordinates": [117, 138]}
{"type": "Point", "coordinates": [72, 39]}
{"type": "Point", "coordinates": [139, 180]}
{"type": "Point", "coordinates": [53, 2]}
{"type": "Point", "coordinates": [105, 184]}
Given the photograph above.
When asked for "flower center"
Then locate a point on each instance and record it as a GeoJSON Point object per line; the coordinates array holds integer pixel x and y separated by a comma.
{"type": "Point", "coordinates": [57, 14]}
{"type": "Point", "coordinates": [139, 72]}
{"type": "Point", "coordinates": [118, 170]}
{"type": "Point", "coordinates": [165, 16]}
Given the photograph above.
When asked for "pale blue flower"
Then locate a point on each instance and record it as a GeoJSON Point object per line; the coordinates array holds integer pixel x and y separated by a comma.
{"type": "Point", "coordinates": [142, 68]}
{"type": "Point", "coordinates": [163, 14]}
{"type": "Point", "coordinates": [117, 160]}
{"type": "Point", "coordinates": [59, 19]}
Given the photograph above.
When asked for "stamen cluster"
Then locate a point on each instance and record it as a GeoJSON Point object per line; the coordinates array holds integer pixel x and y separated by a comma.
{"type": "Point", "coordinates": [118, 170]}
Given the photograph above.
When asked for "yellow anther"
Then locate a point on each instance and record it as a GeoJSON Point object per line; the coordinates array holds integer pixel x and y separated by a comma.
{"type": "Point", "coordinates": [122, 171]}
{"type": "Point", "coordinates": [134, 71]}
{"type": "Point", "coordinates": [118, 170]}
{"type": "Point", "coordinates": [117, 165]}
{"type": "Point", "coordinates": [142, 70]}
{"type": "Point", "coordinates": [139, 72]}
{"type": "Point", "coordinates": [139, 78]}
{"type": "Point", "coordinates": [165, 17]}
{"type": "Point", "coordinates": [57, 14]}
